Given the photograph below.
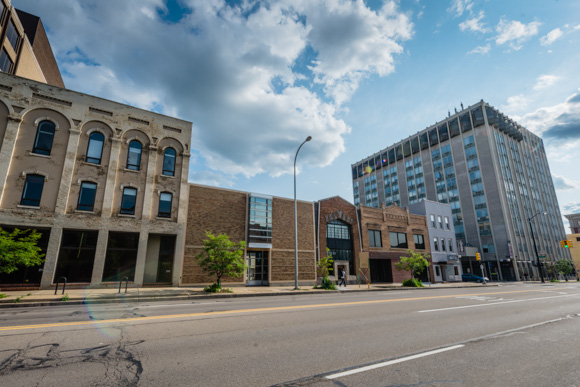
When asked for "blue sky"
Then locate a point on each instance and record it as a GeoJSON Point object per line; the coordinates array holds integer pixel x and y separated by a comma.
{"type": "Point", "coordinates": [257, 77]}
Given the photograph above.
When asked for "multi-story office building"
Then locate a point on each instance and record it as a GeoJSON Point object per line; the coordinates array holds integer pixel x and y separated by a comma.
{"type": "Point", "coordinates": [493, 173]}
{"type": "Point", "coordinates": [25, 50]}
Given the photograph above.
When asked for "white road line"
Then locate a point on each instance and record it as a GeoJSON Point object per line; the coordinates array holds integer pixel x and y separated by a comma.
{"type": "Point", "coordinates": [494, 303]}
{"type": "Point", "coordinates": [391, 362]}
{"type": "Point", "coordinates": [168, 305]}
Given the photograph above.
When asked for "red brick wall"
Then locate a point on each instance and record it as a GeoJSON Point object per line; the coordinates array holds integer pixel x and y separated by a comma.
{"type": "Point", "coordinates": [338, 208]}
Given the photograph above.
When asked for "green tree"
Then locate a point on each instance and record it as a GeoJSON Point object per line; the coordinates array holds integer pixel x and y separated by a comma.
{"type": "Point", "coordinates": [222, 257]}
{"type": "Point", "coordinates": [415, 263]}
{"type": "Point", "coordinates": [565, 267]}
{"type": "Point", "coordinates": [19, 248]}
{"type": "Point", "coordinates": [322, 267]}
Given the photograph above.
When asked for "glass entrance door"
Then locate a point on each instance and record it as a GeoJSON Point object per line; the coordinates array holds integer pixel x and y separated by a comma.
{"type": "Point", "coordinates": [257, 268]}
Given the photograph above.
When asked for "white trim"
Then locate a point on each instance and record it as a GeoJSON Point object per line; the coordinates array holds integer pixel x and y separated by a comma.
{"type": "Point", "coordinates": [34, 172]}
{"type": "Point", "coordinates": [90, 179]}
{"type": "Point", "coordinates": [130, 185]}
{"type": "Point", "coordinates": [40, 119]}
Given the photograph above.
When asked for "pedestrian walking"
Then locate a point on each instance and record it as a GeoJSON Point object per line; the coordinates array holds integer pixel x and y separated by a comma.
{"type": "Point", "coordinates": [342, 278]}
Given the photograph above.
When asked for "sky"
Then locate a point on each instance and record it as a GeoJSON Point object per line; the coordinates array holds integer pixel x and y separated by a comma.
{"type": "Point", "coordinates": [257, 77]}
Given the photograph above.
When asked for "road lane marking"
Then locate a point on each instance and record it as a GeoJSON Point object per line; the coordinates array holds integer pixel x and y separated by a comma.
{"type": "Point", "coordinates": [391, 362]}
{"type": "Point", "coordinates": [493, 303]}
{"type": "Point", "coordinates": [241, 311]}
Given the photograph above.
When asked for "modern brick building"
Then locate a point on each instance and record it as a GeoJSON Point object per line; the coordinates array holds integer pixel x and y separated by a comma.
{"type": "Point", "coordinates": [264, 222]}
{"type": "Point", "coordinates": [105, 183]}
{"type": "Point", "coordinates": [491, 171]}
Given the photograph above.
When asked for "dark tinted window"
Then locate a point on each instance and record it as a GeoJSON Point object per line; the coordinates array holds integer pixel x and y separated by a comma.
{"type": "Point", "coordinates": [378, 162]}
{"type": "Point", "coordinates": [121, 256]}
{"type": "Point", "coordinates": [44, 138]}
{"type": "Point", "coordinates": [128, 201]}
{"type": "Point", "coordinates": [398, 240]}
{"type": "Point", "coordinates": [433, 139]}
{"type": "Point", "coordinates": [465, 123]}
{"type": "Point", "coordinates": [477, 116]}
{"type": "Point", "coordinates": [134, 155]}
{"type": "Point", "coordinates": [454, 127]}
{"type": "Point", "coordinates": [424, 141]}
{"type": "Point", "coordinates": [419, 241]}
{"type": "Point", "coordinates": [32, 190]}
{"type": "Point", "coordinates": [375, 238]}
{"type": "Point", "coordinates": [443, 132]}
{"type": "Point", "coordinates": [95, 148]}
{"type": "Point", "coordinates": [399, 152]}
{"type": "Point", "coordinates": [492, 116]}
{"type": "Point", "coordinates": [169, 162]}
{"type": "Point", "coordinates": [165, 199]}
{"type": "Point", "coordinates": [5, 62]}
{"type": "Point", "coordinates": [392, 156]}
{"type": "Point", "coordinates": [385, 159]}
{"type": "Point", "coordinates": [77, 255]}
{"type": "Point", "coordinates": [415, 144]}
{"type": "Point", "coordinates": [12, 35]}
{"type": "Point", "coordinates": [407, 148]}
{"type": "Point", "coordinates": [87, 196]}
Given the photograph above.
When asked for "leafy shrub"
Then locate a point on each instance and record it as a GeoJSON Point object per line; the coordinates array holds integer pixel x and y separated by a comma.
{"type": "Point", "coordinates": [65, 297]}
{"type": "Point", "coordinates": [327, 284]}
{"type": "Point", "coordinates": [554, 280]}
{"type": "Point", "coordinates": [2, 295]}
{"type": "Point", "coordinates": [213, 288]}
{"type": "Point", "coordinates": [413, 283]}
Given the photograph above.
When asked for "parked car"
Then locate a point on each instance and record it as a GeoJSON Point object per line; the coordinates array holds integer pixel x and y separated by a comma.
{"type": "Point", "coordinates": [467, 277]}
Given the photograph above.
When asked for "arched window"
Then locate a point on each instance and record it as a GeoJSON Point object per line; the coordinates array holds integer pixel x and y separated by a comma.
{"type": "Point", "coordinates": [165, 200]}
{"type": "Point", "coordinates": [169, 162]}
{"type": "Point", "coordinates": [44, 138]}
{"type": "Point", "coordinates": [32, 190]}
{"type": "Point", "coordinates": [339, 242]}
{"type": "Point", "coordinates": [134, 155]}
{"type": "Point", "coordinates": [95, 148]}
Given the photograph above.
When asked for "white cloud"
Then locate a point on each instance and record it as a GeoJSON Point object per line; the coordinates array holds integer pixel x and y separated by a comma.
{"type": "Point", "coordinates": [544, 81]}
{"type": "Point", "coordinates": [515, 104]}
{"type": "Point", "coordinates": [551, 37]}
{"type": "Point", "coordinates": [481, 50]}
{"type": "Point", "coordinates": [474, 24]}
{"type": "Point", "coordinates": [255, 78]}
{"type": "Point", "coordinates": [515, 33]}
{"type": "Point", "coordinates": [460, 6]}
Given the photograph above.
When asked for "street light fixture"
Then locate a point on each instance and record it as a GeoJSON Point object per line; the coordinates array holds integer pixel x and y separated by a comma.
{"type": "Point", "coordinates": [535, 248]}
{"type": "Point", "coordinates": [296, 219]}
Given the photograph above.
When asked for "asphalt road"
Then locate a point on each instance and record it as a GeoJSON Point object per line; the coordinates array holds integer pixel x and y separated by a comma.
{"type": "Point", "coordinates": [512, 335]}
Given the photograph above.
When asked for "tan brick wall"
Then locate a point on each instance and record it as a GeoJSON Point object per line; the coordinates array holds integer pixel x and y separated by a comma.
{"type": "Point", "coordinates": [215, 210]}
{"type": "Point", "coordinates": [283, 257]}
{"type": "Point", "coordinates": [396, 219]}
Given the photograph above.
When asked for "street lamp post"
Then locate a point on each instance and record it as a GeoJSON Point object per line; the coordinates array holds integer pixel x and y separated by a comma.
{"type": "Point", "coordinates": [535, 248]}
{"type": "Point", "coordinates": [296, 219]}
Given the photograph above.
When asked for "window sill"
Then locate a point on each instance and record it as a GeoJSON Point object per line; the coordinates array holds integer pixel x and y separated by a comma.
{"type": "Point", "coordinates": [164, 219]}
{"type": "Point", "coordinates": [167, 176]}
{"type": "Point", "coordinates": [92, 164]}
{"type": "Point", "coordinates": [28, 207]}
{"type": "Point", "coordinates": [38, 155]}
{"type": "Point", "coordinates": [130, 170]}
{"type": "Point", "coordinates": [126, 216]}
{"type": "Point", "coordinates": [84, 212]}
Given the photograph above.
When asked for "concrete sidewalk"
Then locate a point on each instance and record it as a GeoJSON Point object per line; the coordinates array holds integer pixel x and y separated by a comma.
{"type": "Point", "coordinates": [27, 298]}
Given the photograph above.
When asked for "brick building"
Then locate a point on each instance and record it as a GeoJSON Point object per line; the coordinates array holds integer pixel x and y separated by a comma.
{"type": "Point", "coordinates": [387, 233]}
{"type": "Point", "coordinates": [104, 183]}
{"type": "Point", "coordinates": [265, 223]}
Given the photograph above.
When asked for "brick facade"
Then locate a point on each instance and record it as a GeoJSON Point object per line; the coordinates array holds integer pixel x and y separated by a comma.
{"type": "Point", "coordinates": [226, 211]}
{"type": "Point", "coordinates": [387, 220]}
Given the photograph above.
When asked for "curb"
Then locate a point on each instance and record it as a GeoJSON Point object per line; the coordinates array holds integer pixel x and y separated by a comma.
{"type": "Point", "coordinates": [7, 304]}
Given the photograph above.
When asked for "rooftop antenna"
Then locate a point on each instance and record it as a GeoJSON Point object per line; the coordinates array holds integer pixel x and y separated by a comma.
{"type": "Point", "coordinates": [448, 113]}
{"type": "Point", "coordinates": [455, 110]}
{"type": "Point", "coordinates": [461, 105]}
